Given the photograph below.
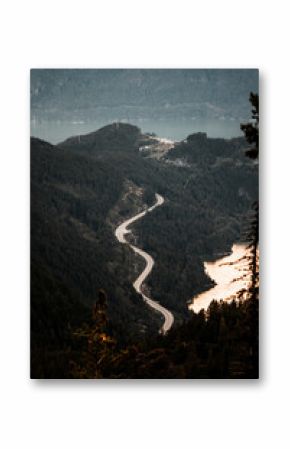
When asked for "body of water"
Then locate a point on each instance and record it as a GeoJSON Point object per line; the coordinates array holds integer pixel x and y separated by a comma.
{"type": "Point", "coordinates": [227, 273]}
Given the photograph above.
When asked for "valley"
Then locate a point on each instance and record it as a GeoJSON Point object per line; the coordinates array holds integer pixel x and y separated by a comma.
{"type": "Point", "coordinates": [83, 188]}
{"type": "Point", "coordinates": [120, 233]}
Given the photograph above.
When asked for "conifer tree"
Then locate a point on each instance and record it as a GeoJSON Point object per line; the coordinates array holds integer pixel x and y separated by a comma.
{"type": "Point", "coordinates": [251, 131]}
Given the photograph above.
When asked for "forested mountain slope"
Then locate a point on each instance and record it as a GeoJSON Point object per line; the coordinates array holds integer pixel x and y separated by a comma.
{"type": "Point", "coordinates": [83, 188]}
{"type": "Point", "coordinates": [73, 250]}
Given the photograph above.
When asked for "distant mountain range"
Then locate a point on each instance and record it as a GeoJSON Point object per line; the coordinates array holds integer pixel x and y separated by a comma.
{"type": "Point", "coordinates": [71, 94]}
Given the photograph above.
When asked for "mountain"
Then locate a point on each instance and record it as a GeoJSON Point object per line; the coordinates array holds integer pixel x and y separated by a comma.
{"type": "Point", "coordinates": [73, 252]}
{"type": "Point", "coordinates": [83, 188]}
{"type": "Point", "coordinates": [116, 137]}
{"type": "Point", "coordinates": [140, 93]}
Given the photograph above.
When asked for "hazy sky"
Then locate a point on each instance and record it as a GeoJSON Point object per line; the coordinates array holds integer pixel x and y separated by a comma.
{"type": "Point", "coordinates": [171, 102]}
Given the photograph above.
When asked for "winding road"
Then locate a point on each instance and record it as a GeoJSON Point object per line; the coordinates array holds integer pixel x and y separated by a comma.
{"type": "Point", "coordinates": [120, 233]}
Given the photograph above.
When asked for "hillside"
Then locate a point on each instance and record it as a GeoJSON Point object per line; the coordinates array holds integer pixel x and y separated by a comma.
{"type": "Point", "coordinates": [116, 137]}
{"type": "Point", "coordinates": [73, 252]}
{"type": "Point", "coordinates": [83, 188]}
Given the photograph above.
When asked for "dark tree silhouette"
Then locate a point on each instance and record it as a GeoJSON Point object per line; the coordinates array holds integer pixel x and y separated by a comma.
{"type": "Point", "coordinates": [251, 131]}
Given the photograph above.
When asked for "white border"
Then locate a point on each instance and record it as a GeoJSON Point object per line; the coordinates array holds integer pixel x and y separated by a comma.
{"type": "Point", "coordinates": [212, 34]}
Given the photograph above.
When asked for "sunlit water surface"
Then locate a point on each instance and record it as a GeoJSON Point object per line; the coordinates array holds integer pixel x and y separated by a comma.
{"type": "Point", "coordinates": [227, 273]}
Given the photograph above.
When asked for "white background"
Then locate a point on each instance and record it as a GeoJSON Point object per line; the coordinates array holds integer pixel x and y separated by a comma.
{"type": "Point", "coordinates": [181, 414]}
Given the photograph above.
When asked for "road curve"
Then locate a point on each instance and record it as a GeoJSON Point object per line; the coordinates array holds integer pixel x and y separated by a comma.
{"type": "Point", "coordinates": [120, 233]}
